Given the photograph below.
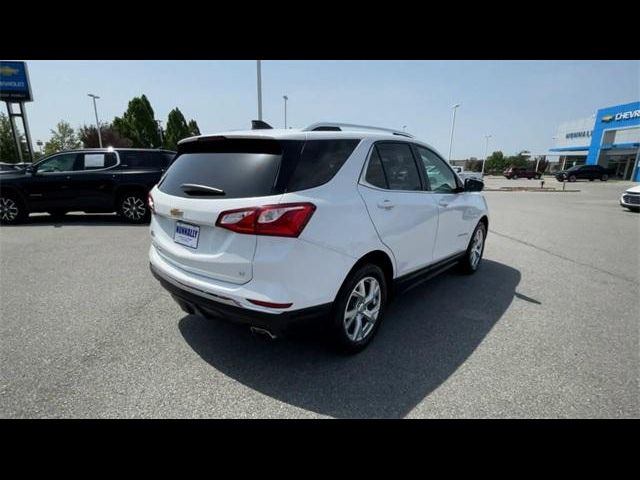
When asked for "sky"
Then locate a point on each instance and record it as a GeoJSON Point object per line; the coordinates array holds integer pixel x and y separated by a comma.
{"type": "Point", "coordinates": [519, 103]}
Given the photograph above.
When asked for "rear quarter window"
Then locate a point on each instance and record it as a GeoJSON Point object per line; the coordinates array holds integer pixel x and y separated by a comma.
{"type": "Point", "coordinates": [318, 163]}
{"type": "Point", "coordinates": [147, 160]}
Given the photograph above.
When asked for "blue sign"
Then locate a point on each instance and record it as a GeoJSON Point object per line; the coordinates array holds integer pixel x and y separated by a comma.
{"type": "Point", "coordinates": [14, 82]}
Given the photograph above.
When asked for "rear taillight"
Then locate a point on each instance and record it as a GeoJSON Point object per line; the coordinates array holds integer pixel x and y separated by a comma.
{"type": "Point", "coordinates": [151, 204]}
{"type": "Point", "coordinates": [284, 220]}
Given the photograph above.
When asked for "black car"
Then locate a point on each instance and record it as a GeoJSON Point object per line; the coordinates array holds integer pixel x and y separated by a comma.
{"type": "Point", "coordinates": [585, 172]}
{"type": "Point", "coordinates": [89, 180]}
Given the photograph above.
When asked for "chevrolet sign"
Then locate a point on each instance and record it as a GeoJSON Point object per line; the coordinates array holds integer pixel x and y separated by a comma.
{"type": "Point", "coordinates": [622, 116]}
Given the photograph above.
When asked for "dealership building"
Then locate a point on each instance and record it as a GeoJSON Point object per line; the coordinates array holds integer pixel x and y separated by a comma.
{"type": "Point", "coordinates": [610, 137]}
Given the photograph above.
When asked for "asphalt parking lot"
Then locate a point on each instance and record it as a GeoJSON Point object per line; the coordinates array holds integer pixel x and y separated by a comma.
{"type": "Point", "coordinates": [548, 327]}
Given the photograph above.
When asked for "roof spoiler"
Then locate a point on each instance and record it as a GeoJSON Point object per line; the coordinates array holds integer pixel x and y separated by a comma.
{"type": "Point", "coordinates": [260, 125]}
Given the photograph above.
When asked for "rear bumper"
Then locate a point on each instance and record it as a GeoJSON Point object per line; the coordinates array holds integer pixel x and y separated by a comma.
{"type": "Point", "coordinates": [277, 323]}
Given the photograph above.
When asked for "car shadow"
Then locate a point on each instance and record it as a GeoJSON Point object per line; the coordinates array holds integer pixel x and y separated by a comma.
{"type": "Point", "coordinates": [78, 219]}
{"type": "Point", "coordinates": [428, 332]}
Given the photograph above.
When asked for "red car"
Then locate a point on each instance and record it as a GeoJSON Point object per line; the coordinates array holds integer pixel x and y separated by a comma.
{"type": "Point", "coordinates": [521, 172]}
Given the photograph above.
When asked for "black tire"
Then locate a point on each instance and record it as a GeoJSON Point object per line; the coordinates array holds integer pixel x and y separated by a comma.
{"type": "Point", "coordinates": [515, 177]}
{"type": "Point", "coordinates": [604, 178]}
{"type": "Point", "coordinates": [591, 179]}
{"type": "Point", "coordinates": [12, 210]}
{"type": "Point", "coordinates": [341, 332]}
{"type": "Point", "coordinates": [538, 176]}
{"type": "Point", "coordinates": [57, 214]}
{"type": "Point", "coordinates": [133, 208]}
{"type": "Point", "coordinates": [468, 265]}
{"type": "Point", "coordinates": [572, 178]}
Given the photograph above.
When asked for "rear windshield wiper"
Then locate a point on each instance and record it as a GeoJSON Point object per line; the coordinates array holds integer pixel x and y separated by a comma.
{"type": "Point", "coordinates": [200, 190]}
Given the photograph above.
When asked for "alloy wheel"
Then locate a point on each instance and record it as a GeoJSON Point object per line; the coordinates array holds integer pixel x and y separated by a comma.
{"type": "Point", "coordinates": [133, 208]}
{"type": "Point", "coordinates": [476, 248]}
{"type": "Point", "coordinates": [8, 209]}
{"type": "Point", "coordinates": [363, 309]}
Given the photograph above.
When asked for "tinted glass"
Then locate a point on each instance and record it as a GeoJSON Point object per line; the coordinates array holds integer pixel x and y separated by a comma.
{"type": "Point", "coordinates": [441, 178]}
{"type": "Point", "coordinates": [143, 159]}
{"type": "Point", "coordinates": [319, 161]}
{"type": "Point", "coordinates": [64, 162]}
{"type": "Point", "coordinates": [241, 168]}
{"type": "Point", "coordinates": [375, 173]}
{"type": "Point", "coordinates": [399, 167]}
{"type": "Point", "coordinates": [168, 158]}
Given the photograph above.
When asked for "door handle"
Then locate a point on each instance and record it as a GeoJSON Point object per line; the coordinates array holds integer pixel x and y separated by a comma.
{"type": "Point", "coordinates": [443, 203]}
{"type": "Point", "coordinates": [386, 204]}
{"type": "Point", "coordinates": [68, 177]}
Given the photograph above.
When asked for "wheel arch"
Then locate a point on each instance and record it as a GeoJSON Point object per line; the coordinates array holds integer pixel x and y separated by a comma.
{"type": "Point", "coordinates": [379, 258]}
{"type": "Point", "coordinates": [12, 190]}
{"type": "Point", "coordinates": [130, 188]}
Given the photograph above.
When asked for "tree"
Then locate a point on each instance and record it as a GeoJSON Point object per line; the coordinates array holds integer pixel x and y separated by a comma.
{"type": "Point", "coordinates": [138, 124]}
{"type": "Point", "coordinates": [62, 138]}
{"type": "Point", "coordinates": [111, 137]}
{"type": "Point", "coordinates": [8, 152]}
{"type": "Point", "coordinates": [177, 129]}
{"type": "Point", "coordinates": [496, 162]}
{"type": "Point", "coordinates": [193, 128]}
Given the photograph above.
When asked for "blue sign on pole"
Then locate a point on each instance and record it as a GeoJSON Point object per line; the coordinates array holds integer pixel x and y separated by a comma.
{"type": "Point", "coordinates": [14, 82]}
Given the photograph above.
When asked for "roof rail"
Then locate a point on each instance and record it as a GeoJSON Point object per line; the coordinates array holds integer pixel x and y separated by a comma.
{"type": "Point", "coordinates": [336, 126]}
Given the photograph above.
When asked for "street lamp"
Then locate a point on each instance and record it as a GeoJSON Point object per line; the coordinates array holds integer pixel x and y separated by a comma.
{"type": "Point", "coordinates": [159, 123]}
{"type": "Point", "coordinates": [39, 143]}
{"type": "Point", "coordinates": [404, 128]}
{"type": "Point", "coordinates": [453, 126]}
{"type": "Point", "coordinates": [486, 151]}
{"type": "Point", "coordinates": [285, 110]}
{"type": "Point", "coordinates": [95, 109]}
{"type": "Point", "coordinates": [259, 71]}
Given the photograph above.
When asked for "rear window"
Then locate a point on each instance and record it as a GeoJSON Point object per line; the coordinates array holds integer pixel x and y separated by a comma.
{"type": "Point", "coordinates": [254, 167]}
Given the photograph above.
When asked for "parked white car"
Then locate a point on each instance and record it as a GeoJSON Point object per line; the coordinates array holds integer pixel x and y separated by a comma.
{"type": "Point", "coordinates": [274, 228]}
{"type": "Point", "coordinates": [464, 174]}
{"type": "Point", "coordinates": [631, 199]}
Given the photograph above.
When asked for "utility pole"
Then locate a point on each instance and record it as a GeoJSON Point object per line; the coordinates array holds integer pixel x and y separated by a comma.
{"type": "Point", "coordinates": [259, 66]}
{"type": "Point", "coordinates": [95, 109]}
{"type": "Point", "coordinates": [285, 110]}
{"type": "Point", "coordinates": [453, 126]}
{"type": "Point", "coordinates": [486, 152]}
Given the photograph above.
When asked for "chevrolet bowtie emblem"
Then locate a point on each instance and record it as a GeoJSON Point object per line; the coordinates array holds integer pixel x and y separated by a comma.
{"type": "Point", "coordinates": [176, 212]}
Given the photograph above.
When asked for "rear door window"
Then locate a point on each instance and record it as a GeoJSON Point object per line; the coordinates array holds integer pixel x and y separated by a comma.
{"type": "Point", "coordinates": [399, 166]}
{"type": "Point", "coordinates": [96, 161]}
{"type": "Point", "coordinates": [375, 174]}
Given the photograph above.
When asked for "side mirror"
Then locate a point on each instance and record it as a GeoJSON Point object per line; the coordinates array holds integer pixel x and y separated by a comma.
{"type": "Point", "coordinates": [31, 169]}
{"type": "Point", "coordinates": [473, 185]}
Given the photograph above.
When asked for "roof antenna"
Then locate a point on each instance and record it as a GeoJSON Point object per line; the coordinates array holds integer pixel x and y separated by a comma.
{"type": "Point", "coordinates": [260, 125]}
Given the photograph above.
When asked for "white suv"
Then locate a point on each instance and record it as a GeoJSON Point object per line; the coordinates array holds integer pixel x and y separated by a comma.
{"type": "Point", "coordinates": [273, 228]}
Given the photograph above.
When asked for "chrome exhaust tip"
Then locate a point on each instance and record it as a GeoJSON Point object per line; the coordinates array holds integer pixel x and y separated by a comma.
{"type": "Point", "coordinates": [263, 332]}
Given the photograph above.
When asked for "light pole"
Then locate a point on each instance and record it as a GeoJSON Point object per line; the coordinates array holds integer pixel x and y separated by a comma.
{"type": "Point", "coordinates": [453, 126]}
{"type": "Point", "coordinates": [285, 110]}
{"type": "Point", "coordinates": [95, 109]}
{"type": "Point", "coordinates": [39, 143]}
{"type": "Point", "coordinates": [159, 123]}
{"type": "Point", "coordinates": [259, 68]}
{"type": "Point", "coordinates": [486, 151]}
